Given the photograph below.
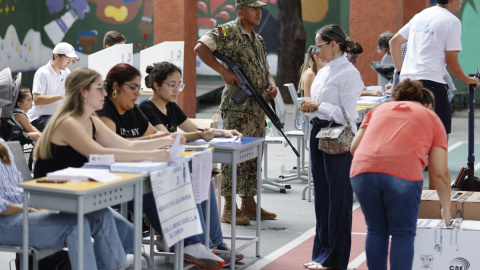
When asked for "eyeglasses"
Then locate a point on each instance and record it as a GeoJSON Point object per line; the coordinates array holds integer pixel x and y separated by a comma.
{"type": "Point", "coordinates": [317, 46]}
{"type": "Point", "coordinates": [135, 88]}
{"type": "Point", "coordinates": [174, 86]}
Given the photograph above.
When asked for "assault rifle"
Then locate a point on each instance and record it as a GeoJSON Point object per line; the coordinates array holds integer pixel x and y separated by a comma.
{"type": "Point", "coordinates": [247, 89]}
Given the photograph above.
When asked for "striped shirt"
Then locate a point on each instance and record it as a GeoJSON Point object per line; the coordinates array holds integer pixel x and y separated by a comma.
{"type": "Point", "coordinates": [10, 178]}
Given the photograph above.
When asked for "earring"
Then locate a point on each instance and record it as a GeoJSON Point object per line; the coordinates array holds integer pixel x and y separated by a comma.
{"type": "Point", "coordinates": [333, 53]}
{"type": "Point", "coordinates": [114, 94]}
{"type": "Point", "coordinates": [85, 100]}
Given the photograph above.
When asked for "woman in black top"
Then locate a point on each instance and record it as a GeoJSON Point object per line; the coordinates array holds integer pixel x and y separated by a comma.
{"type": "Point", "coordinates": [161, 110]}
{"type": "Point", "coordinates": [119, 112]}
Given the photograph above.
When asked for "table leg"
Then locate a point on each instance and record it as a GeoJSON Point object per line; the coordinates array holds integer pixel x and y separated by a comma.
{"type": "Point", "coordinates": [234, 210]}
{"type": "Point", "coordinates": [137, 212]}
{"type": "Point", "coordinates": [80, 217]}
{"type": "Point", "coordinates": [24, 262]}
{"type": "Point", "coordinates": [207, 219]}
{"type": "Point", "coordinates": [259, 198]}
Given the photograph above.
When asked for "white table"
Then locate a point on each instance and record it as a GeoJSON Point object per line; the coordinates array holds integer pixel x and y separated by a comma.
{"type": "Point", "coordinates": [82, 198]}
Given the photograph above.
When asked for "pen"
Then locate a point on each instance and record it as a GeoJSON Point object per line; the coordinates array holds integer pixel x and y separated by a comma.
{"type": "Point", "coordinates": [214, 133]}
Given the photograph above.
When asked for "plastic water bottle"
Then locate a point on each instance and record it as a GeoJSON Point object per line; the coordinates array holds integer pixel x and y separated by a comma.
{"type": "Point", "coordinates": [269, 131]}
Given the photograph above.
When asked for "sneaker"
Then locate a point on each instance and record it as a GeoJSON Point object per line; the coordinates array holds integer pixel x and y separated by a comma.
{"type": "Point", "coordinates": [223, 251]}
{"type": "Point", "coordinates": [202, 257]}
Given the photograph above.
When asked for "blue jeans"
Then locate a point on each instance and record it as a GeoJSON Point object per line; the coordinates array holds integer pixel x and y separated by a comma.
{"type": "Point", "coordinates": [390, 205]}
{"type": "Point", "coordinates": [57, 230]}
{"type": "Point", "coordinates": [216, 235]}
{"type": "Point", "coordinates": [125, 233]}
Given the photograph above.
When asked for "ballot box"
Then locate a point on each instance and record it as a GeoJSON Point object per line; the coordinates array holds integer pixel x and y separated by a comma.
{"type": "Point", "coordinates": [451, 248]}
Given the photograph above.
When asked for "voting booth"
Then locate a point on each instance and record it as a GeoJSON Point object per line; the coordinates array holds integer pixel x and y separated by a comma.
{"type": "Point", "coordinates": [105, 59]}
{"type": "Point", "coordinates": [171, 51]}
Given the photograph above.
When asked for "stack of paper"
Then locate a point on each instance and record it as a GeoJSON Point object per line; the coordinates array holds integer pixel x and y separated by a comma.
{"type": "Point", "coordinates": [137, 167]}
{"type": "Point", "coordinates": [216, 140]}
{"type": "Point", "coordinates": [82, 174]}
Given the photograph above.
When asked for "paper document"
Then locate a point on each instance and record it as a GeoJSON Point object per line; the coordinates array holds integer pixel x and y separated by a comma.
{"type": "Point", "coordinates": [177, 211]}
{"type": "Point", "coordinates": [137, 167]}
{"type": "Point", "coordinates": [217, 140]}
{"type": "Point", "coordinates": [82, 174]}
{"type": "Point", "coordinates": [201, 174]}
{"type": "Point", "coordinates": [175, 150]}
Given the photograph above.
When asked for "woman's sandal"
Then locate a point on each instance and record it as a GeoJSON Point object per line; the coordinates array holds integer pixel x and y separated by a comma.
{"type": "Point", "coordinates": [309, 264]}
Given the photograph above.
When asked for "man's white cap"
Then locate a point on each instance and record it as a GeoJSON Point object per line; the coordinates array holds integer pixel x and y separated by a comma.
{"type": "Point", "coordinates": [66, 49]}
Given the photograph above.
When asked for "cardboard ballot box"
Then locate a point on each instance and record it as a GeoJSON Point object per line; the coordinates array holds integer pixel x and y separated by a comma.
{"type": "Point", "coordinates": [464, 204]}
{"type": "Point", "coordinates": [439, 247]}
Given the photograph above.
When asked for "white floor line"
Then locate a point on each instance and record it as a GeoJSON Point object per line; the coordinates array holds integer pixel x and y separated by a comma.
{"type": "Point", "coordinates": [455, 145]}
{"type": "Point", "coordinates": [281, 251]}
{"type": "Point", "coordinates": [358, 261]}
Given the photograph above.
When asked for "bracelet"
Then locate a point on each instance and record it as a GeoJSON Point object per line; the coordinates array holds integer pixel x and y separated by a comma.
{"type": "Point", "coordinates": [29, 209]}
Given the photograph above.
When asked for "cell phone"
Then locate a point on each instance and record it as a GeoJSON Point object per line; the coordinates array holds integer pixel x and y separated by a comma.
{"type": "Point", "coordinates": [52, 181]}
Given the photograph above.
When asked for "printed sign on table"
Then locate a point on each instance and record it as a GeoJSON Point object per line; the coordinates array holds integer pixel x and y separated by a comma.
{"type": "Point", "coordinates": [172, 190]}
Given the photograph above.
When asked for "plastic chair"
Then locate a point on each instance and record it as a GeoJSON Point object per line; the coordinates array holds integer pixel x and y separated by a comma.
{"type": "Point", "coordinates": [301, 169]}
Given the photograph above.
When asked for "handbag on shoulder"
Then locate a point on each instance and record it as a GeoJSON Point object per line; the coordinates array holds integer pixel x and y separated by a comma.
{"type": "Point", "coordinates": [335, 140]}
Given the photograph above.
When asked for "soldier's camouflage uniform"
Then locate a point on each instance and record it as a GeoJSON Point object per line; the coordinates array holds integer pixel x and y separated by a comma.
{"type": "Point", "coordinates": [248, 118]}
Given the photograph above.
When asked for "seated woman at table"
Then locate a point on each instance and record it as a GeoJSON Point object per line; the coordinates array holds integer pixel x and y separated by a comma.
{"type": "Point", "coordinates": [162, 110]}
{"type": "Point", "coordinates": [74, 132]}
{"type": "Point", "coordinates": [121, 115]}
{"type": "Point", "coordinates": [57, 230]}
{"type": "Point", "coordinates": [164, 114]}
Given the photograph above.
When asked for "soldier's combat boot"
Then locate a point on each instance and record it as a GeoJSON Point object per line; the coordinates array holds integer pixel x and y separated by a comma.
{"type": "Point", "coordinates": [227, 213]}
{"type": "Point", "coordinates": [249, 209]}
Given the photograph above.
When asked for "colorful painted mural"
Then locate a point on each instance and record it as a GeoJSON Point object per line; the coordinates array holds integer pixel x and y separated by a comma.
{"type": "Point", "coordinates": [29, 29]}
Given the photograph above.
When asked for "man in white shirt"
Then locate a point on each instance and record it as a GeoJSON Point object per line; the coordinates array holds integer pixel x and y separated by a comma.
{"type": "Point", "coordinates": [49, 85]}
{"type": "Point", "coordinates": [434, 37]}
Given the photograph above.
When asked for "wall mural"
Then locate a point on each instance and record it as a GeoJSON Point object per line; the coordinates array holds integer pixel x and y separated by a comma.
{"type": "Point", "coordinates": [29, 29]}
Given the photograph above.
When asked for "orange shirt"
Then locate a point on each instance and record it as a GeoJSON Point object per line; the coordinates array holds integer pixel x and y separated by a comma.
{"type": "Point", "coordinates": [398, 137]}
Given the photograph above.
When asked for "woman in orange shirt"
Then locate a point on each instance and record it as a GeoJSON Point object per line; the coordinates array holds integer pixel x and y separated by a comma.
{"type": "Point", "coordinates": [389, 155]}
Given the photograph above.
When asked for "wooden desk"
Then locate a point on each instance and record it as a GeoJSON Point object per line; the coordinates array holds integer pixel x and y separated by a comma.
{"type": "Point", "coordinates": [82, 198]}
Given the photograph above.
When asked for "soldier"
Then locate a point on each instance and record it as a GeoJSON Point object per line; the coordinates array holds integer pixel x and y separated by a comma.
{"type": "Point", "coordinates": [237, 40]}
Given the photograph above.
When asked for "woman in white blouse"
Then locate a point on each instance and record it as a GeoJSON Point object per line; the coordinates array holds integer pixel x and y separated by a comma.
{"type": "Point", "coordinates": [336, 85]}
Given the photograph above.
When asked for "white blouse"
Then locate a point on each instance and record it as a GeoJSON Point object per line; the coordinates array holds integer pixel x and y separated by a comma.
{"type": "Point", "coordinates": [337, 85]}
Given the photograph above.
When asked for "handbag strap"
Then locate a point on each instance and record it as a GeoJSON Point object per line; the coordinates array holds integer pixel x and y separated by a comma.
{"type": "Point", "coordinates": [346, 117]}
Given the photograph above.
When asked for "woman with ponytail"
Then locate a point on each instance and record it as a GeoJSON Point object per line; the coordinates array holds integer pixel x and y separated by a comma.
{"type": "Point", "coordinates": [336, 87]}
